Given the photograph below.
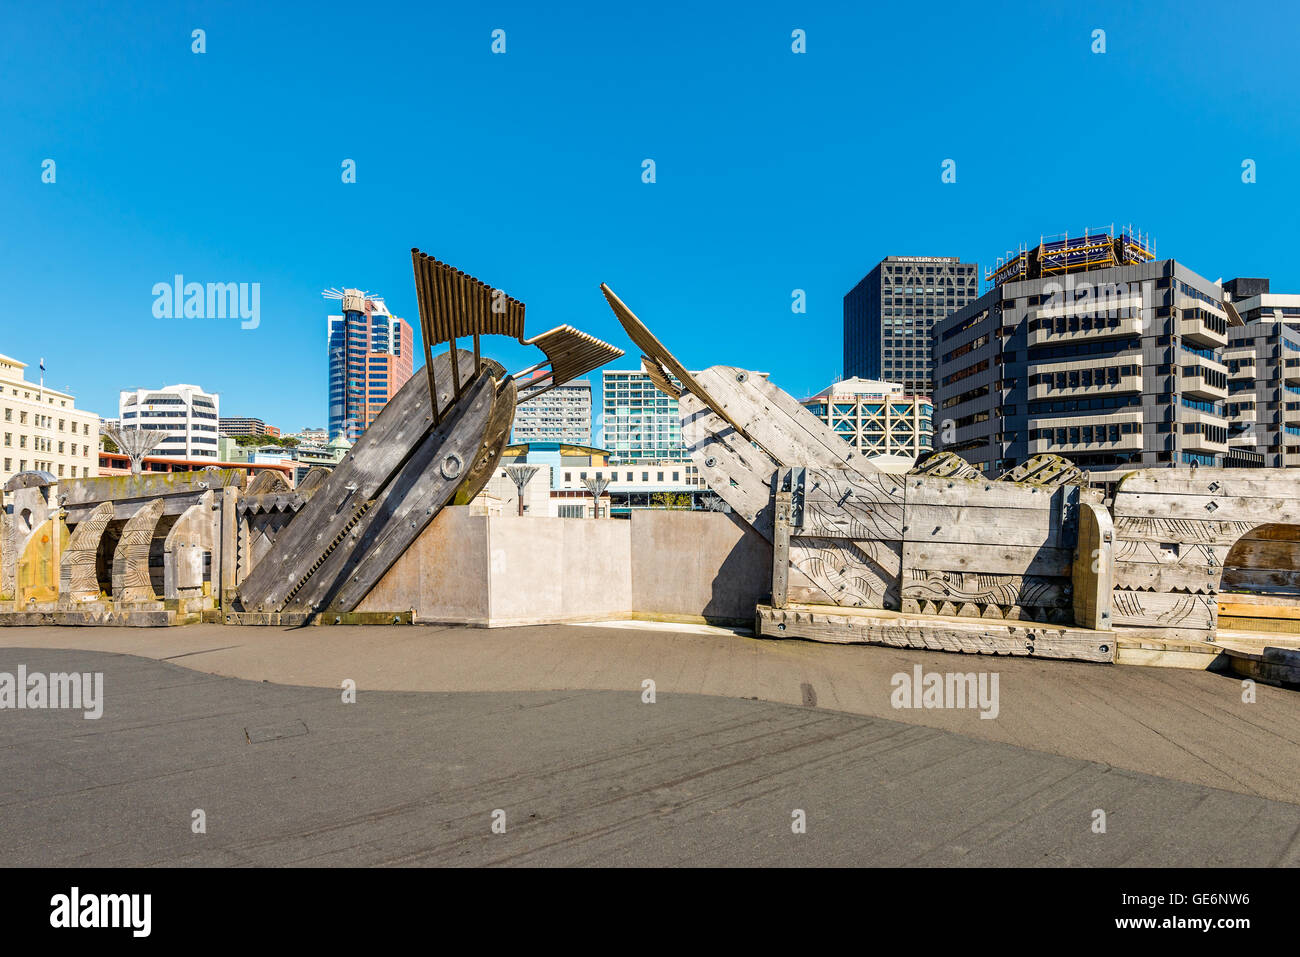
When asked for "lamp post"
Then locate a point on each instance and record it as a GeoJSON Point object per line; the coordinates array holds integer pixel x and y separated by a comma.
{"type": "Point", "coordinates": [596, 486]}
{"type": "Point", "coordinates": [521, 475]}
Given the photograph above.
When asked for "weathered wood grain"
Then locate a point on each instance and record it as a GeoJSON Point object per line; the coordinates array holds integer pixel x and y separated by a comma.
{"type": "Point", "coordinates": [771, 417]}
{"type": "Point", "coordinates": [734, 469]}
{"type": "Point", "coordinates": [367, 467]}
{"type": "Point", "coordinates": [403, 508]}
{"type": "Point", "coordinates": [853, 576]}
{"type": "Point", "coordinates": [131, 580]}
{"type": "Point", "coordinates": [903, 631]}
{"type": "Point", "coordinates": [78, 579]}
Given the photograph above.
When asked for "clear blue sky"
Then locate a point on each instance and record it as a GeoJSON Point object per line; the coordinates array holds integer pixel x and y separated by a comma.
{"type": "Point", "coordinates": [775, 171]}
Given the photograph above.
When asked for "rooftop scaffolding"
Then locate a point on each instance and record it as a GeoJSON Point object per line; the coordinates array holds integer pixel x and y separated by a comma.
{"type": "Point", "coordinates": [1060, 254]}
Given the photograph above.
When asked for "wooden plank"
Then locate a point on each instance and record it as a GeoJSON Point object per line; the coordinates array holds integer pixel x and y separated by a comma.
{"type": "Point", "coordinates": [1133, 528]}
{"type": "Point", "coordinates": [1199, 579]}
{"type": "Point", "coordinates": [842, 503]}
{"type": "Point", "coordinates": [367, 467]}
{"type": "Point", "coordinates": [1231, 483]}
{"type": "Point", "coordinates": [957, 524]}
{"type": "Point", "coordinates": [856, 574]}
{"type": "Point", "coordinates": [1266, 580]}
{"type": "Point", "coordinates": [1026, 591]}
{"type": "Point", "coordinates": [989, 559]}
{"type": "Point", "coordinates": [402, 509]}
{"type": "Point", "coordinates": [1220, 508]}
{"type": "Point", "coordinates": [739, 473]}
{"type": "Point", "coordinates": [781, 549]}
{"type": "Point", "coordinates": [936, 634]}
{"type": "Point", "coordinates": [791, 434]}
{"type": "Point", "coordinates": [494, 440]}
{"type": "Point", "coordinates": [1168, 610]}
{"type": "Point", "coordinates": [929, 490]}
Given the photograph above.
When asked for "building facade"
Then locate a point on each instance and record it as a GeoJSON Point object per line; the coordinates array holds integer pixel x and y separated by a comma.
{"type": "Point", "coordinates": [889, 316]}
{"type": "Point", "coordinates": [641, 423]}
{"type": "Point", "coordinates": [1263, 361]}
{"type": "Point", "coordinates": [245, 425]}
{"type": "Point", "coordinates": [43, 430]}
{"type": "Point", "coordinates": [1089, 348]}
{"type": "Point", "coordinates": [562, 414]}
{"type": "Point", "coordinates": [370, 358]}
{"type": "Point", "coordinates": [188, 415]}
{"type": "Point", "coordinates": [877, 418]}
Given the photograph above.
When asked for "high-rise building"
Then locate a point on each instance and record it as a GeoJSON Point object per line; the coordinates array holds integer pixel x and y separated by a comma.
{"type": "Point", "coordinates": [188, 415]}
{"type": "Point", "coordinates": [1090, 348]}
{"type": "Point", "coordinates": [876, 418]}
{"type": "Point", "coordinates": [641, 423]}
{"type": "Point", "coordinates": [1263, 360]}
{"type": "Point", "coordinates": [562, 414]}
{"type": "Point", "coordinates": [42, 428]}
{"type": "Point", "coordinates": [889, 315]}
{"type": "Point", "coordinates": [370, 357]}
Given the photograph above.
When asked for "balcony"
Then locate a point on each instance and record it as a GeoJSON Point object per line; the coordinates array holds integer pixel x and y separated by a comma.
{"type": "Point", "coordinates": [1202, 378]}
{"type": "Point", "coordinates": [1085, 327]}
{"type": "Point", "coordinates": [1212, 439]}
{"type": "Point", "coordinates": [1291, 374]}
{"type": "Point", "coordinates": [1126, 383]}
{"type": "Point", "coordinates": [1206, 327]}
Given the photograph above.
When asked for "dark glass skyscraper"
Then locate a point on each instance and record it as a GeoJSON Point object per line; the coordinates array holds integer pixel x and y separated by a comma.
{"type": "Point", "coordinates": [889, 314]}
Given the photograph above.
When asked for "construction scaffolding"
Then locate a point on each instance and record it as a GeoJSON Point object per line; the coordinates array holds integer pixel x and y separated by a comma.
{"type": "Point", "coordinates": [1063, 253]}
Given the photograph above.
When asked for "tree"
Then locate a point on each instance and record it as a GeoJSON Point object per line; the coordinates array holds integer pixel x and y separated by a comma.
{"type": "Point", "coordinates": [108, 445]}
{"type": "Point", "coordinates": [670, 500]}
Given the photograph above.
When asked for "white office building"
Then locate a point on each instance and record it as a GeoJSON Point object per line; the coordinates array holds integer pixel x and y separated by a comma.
{"type": "Point", "coordinates": [188, 415]}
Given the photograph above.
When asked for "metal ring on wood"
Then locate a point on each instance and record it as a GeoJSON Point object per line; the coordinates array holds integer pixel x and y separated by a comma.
{"type": "Point", "coordinates": [452, 466]}
{"type": "Point", "coordinates": [742, 376]}
{"type": "Point", "coordinates": [710, 462]}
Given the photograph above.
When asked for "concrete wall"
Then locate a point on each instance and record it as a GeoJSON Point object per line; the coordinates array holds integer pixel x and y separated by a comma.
{"type": "Point", "coordinates": [695, 565]}
{"type": "Point", "coordinates": [506, 570]}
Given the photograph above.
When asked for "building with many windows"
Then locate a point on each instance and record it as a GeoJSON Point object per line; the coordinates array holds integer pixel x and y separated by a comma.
{"type": "Point", "coordinates": [877, 418]}
{"type": "Point", "coordinates": [188, 415]}
{"type": "Point", "coordinates": [42, 429]}
{"type": "Point", "coordinates": [561, 414]}
{"type": "Point", "coordinates": [245, 425]}
{"type": "Point", "coordinates": [889, 315]}
{"type": "Point", "coordinates": [641, 423]}
{"type": "Point", "coordinates": [1263, 361]}
{"type": "Point", "coordinates": [1090, 348]}
{"type": "Point", "coordinates": [370, 358]}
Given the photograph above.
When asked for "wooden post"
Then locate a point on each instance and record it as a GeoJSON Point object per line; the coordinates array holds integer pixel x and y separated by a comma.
{"type": "Point", "coordinates": [781, 550]}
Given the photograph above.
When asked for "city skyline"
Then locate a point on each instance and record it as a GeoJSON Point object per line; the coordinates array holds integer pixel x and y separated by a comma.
{"type": "Point", "coordinates": [773, 192]}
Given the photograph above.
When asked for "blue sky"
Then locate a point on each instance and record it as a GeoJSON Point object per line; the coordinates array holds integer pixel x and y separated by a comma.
{"type": "Point", "coordinates": [775, 171]}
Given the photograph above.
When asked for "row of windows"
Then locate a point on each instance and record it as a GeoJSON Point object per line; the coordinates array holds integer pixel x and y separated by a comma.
{"type": "Point", "coordinates": [46, 421]}
{"type": "Point", "coordinates": [1086, 434]}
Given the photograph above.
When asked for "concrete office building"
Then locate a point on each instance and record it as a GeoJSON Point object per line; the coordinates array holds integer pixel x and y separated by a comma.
{"type": "Point", "coordinates": [188, 415]}
{"type": "Point", "coordinates": [43, 430]}
{"type": "Point", "coordinates": [1263, 360]}
{"type": "Point", "coordinates": [370, 358]}
{"type": "Point", "coordinates": [877, 418]}
{"type": "Point", "coordinates": [889, 315]}
{"type": "Point", "coordinates": [1090, 348]}
{"type": "Point", "coordinates": [246, 425]}
{"type": "Point", "coordinates": [562, 414]}
{"type": "Point", "coordinates": [641, 423]}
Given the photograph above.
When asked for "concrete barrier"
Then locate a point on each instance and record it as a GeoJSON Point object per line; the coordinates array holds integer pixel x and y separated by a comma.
{"type": "Point", "coordinates": [500, 570]}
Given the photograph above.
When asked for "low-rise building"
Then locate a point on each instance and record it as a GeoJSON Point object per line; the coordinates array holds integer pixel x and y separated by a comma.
{"type": "Point", "coordinates": [876, 418]}
{"type": "Point", "coordinates": [42, 429]}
